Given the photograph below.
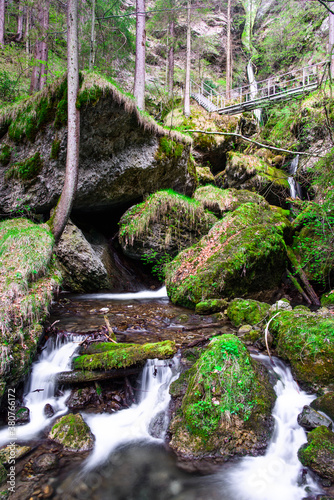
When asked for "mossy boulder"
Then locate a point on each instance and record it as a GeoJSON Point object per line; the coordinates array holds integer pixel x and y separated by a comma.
{"type": "Point", "coordinates": [163, 225]}
{"type": "Point", "coordinates": [243, 253]}
{"type": "Point", "coordinates": [249, 312]}
{"type": "Point", "coordinates": [325, 403]}
{"type": "Point", "coordinates": [211, 306]}
{"type": "Point", "coordinates": [327, 299]}
{"type": "Point", "coordinates": [255, 174]}
{"type": "Point", "coordinates": [108, 356]}
{"type": "Point", "coordinates": [306, 340]}
{"type": "Point", "coordinates": [205, 176]}
{"type": "Point", "coordinates": [73, 433]}
{"type": "Point", "coordinates": [83, 269]}
{"type": "Point", "coordinates": [219, 201]}
{"type": "Point", "coordinates": [223, 404]}
{"type": "Point", "coordinates": [318, 453]}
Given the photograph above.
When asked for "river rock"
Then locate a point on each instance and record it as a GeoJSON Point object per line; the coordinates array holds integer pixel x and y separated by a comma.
{"type": "Point", "coordinates": [255, 174]}
{"type": "Point", "coordinates": [123, 153]}
{"type": "Point", "coordinates": [45, 462]}
{"type": "Point", "coordinates": [3, 474]}
{"type": "Point", "coordinates": [72, 432]}
{"type": "Point", "coordinates": [219, 201]}
{"type": "Point", "coordinates": [318, 452]}
{"type": "Point", "coordinates": [222, 404]}
{"type": "Point", "coordinates": [211, 306]}
{"type": "Point", "coordinates": [310, 419]}
{"type": "Point", "coordinates": [22, 416]}
{"type": "Point", "coordinates": [10, 452]}
{"type": "Point", "coordinates": [163, 225]}
{"type": "Point", "coordinates": [79, 398]}
{"type": "Point", "coordinates": [244, 253]}
{"type": "Point", "coordinates": [48, 410]}
{"type": "Point", "coordinates": [305, 339]}
{"type": "Point", "coordinates": [82, 268]}
{"type": "Point", "coordinates": [325, 403]}
{"type": "Point", "coordinates": [250, 312]}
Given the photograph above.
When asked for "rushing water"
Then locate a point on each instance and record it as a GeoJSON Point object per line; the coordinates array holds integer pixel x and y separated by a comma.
{"type": "Point", "coordinates": [143, 295]}
{"type": "Point", "coordinates": [253, 88]}
{"type": "Point", "coordinates": [294, 186]}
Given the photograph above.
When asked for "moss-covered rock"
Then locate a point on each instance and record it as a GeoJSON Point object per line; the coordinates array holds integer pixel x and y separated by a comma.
{"type": "Point", "coordinates": [253, 173]}
{"type": "Point", "coordinates": [205, 176]}
{"type": "Point", "coordinates": [122, 355]}
{"type": "Point", "coordinates": [248, 312]}
{"type": "Point", "coordinates": [325, 403]}
{"type": "Point", "coordinates": [243, 253]}
{"type": "Point", "coordinates": [318, 453]}
{"type": "Point", "coordinates": [327, 299]}
{"type": "Point", "coordinates": [219, 201]}
{"type": "Point", "coordinates": [3, 474]}
{"type": "Point", "coordinates": [306, 340]}
{"type": "Point", "coordinates": [211, 306]}
{"type": "Point", "coordinates": [163, 225]}
{"type": "Point", "coordinates": [73, 433]}
{"type": "Point", "coordinates": [223, 404]}
{"type": "Point", "coordinates": [8, 453]}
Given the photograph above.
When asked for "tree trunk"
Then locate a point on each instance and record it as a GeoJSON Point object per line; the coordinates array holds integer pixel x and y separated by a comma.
{"type": "Point", "coordinates": [228, 51]}
{"type": "Point", "coordinates": [186, 107]}
{"type": "Point", "coordinates": [92, 39]}
{"type": "Point", "coordinates": [44, 42]}
{"type": "Point", "coordinates": [2, 22]}
{"type": "Point", "coordinates": [27, 33]}
{"type": "Point", "coordinates": [63, 209]}
{"type": "Point", "coordinates": [171, 59]}
{"type": "Point", "coordinates": [331, 40]}
{"type": "Point", "coordinates": [139, 84]}
{"type": "Point", "coordinates": [19, 34]}
{"type": "Point", "coordinates": [36, 70]}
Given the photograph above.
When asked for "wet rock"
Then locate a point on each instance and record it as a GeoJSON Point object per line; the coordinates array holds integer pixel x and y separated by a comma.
{"type": "Point", "coordinates": [3, 474]}
{"type": "Point", "coordinates": [325, 403]}
{"type": "Point", "coordinates": [45, 462]}
{"type": "Point", "coordinates": [22, 415]}
{"type": "Point", "coordinates": [250, 312]}
{"type": "Point", "coordinates": [310, 419]}
{"type": "Point", "coordinates": [318, 452]}
{"type": "Point", "coordinates": [48, 410]}
{"type": "Point", "coordinates": [81, 376]}
{"type": "Point", "coordinates": [80, 398]}
{"type": "Point", "coordinates": [13, 452]}
{"type": "Point", "coordinates": [280, 305]}
{"type": "Point", "coordinates": [73, 433]}
{"type": "Point", "coordinates": [208, 421]}
{"type": "Point", "coordinates": [242, 254]}
{"type": "Point", "coordinates": [211, 306]}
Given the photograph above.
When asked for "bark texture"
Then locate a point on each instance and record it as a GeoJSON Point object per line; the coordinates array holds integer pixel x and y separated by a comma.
{"type": "Point", "coordinates": [171, 58]}
{"type": "Point", "coordinates": [186, 108]}
{"type": "Point", "coordinates": [2, 22]}
{"type": "Point", "coordinates": [139, 85]}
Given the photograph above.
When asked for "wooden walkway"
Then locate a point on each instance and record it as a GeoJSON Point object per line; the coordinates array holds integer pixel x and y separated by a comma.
{"type": "Point", "coordinates": [265, 93]}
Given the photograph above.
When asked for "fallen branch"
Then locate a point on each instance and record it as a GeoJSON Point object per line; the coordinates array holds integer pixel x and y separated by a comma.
{"type": "Point", "coordinates": [310, 291]}
{"type": "Point", "coordinates": [111, 336]}
{"type": "Point", "coordinates": [298, 287]}
{"type": "Point", "coordinates": [234, 134]}
{"type": "Point", "coordinates": [266, 334]}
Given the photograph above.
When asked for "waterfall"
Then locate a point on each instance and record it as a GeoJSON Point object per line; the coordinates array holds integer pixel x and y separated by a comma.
{"type": "Point", "coordinates": [143, 295]}
{"type": "Point", "coordinates": [278, 474]}
{"type": "Point", "coordinates": [294, 186]}
{"type": "Point", "coordinates": [144, 421]}
{"type": "Point", "coordinates": [55, 358]}
{"type": "Point", "coordinates": [253, 88]}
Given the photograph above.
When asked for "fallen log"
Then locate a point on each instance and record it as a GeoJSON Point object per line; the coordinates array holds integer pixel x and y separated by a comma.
{"type": "Point", "coordinates": [79, 376]}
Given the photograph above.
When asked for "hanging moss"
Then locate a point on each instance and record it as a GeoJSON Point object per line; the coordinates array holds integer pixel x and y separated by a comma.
{"type": "Point", "coordinates": [169, 148]}
{"type": "Point", "coordinates": [90, 95]}
{"type": "Point", "coordinates": [26, 170]}
{"type": "Point", "coordinates": [5, 154]}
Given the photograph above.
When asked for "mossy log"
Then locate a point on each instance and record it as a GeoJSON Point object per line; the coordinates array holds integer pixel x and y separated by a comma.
{"type": "Point", "coordinates": [77, 376]}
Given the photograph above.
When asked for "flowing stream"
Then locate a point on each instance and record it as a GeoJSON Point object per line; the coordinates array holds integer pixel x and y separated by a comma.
{"type": "Point", "coordinates": [253, 88]}
{"type": "Point", "coordinates": [294, 186]}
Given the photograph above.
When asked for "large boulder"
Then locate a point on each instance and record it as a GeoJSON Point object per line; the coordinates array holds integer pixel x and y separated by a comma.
{"type": "Point", "coordinates": [318, 452]}
{"type": "Point", "coordinates": [72, 432]}
{"type": "Point", "coordinates": [219, 201]}
{"type": "Point", "coordinates": [163, 225]}
{"type": "Point", "coordinates": [249, 312]}
{"type": "Point", "coordinates": [306, 340]}
{"type": "Point", "coordinates": [325, 403]}
{"type": "Point", "coordinates": [255, 174]}
{"type": "Point", "coordinates": [222, 404]}
{"type": "Point", "coordinates": [243, 253]}
{"type": "Point", "coordinates": [123, 153]}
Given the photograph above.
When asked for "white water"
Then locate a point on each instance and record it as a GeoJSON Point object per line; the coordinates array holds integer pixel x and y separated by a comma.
{"type": "Point", "coordinates": [141, 420]}
{"type": "Point", "coordinates": [145, 294]}
{"type": "Point", "coordinates": [55, 358]}
{"type": "Point", "coordinates": [275, 475]}
{"type": "Point", "coordinates": [294, 186]}
{"type": "Point", "coordinates": [253, 88]}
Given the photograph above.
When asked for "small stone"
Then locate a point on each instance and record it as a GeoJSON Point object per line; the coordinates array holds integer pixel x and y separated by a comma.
{"type": "Point", "coordinates": [47, 491]}
{"type": "Point", "coordinates": [22, 415]}
{"type": "Point", "coordinates": [280, 305]}
{"type": "Point", "coordinates": [244, 329]}
{"type": "Point", "coordinates": [48, 410]}
{"type": "Point", "coordinates": [6, 453]}
{"type": "Point", "coordinates": [45, 462]}
{"type": "Point", "coordinates": [104, 309]}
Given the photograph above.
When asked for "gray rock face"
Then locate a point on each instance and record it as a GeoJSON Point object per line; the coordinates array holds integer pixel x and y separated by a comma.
{"type": "Point", "coordinates": [310, 419]}
{"type": "Point", "coordinates": [119, 162]}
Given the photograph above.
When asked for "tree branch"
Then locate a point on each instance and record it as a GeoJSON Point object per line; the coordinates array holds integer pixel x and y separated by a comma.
{"type": "Point", "coordinates": [255, 142]}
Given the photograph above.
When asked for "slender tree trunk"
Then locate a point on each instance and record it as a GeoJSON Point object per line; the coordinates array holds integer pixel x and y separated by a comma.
{"type": "Point", "coordinates": [171, 58]}
{"type": "Point", "coordinates": [63, 209]}
{"type": "Point", "coordinates": [44, 43]}
{"type": "Point", "coordinates": [2, 23]}
{"type": "Point", "coordinates": [19, 34]}
{"type": "Point", "coordinates": [331, 40]}
{"type": "Point", "coordinates": [27, 32]}
{"type": "Point", "coordinates": [186, 106]}
{"type": "Point", "coordinates": [139, 86]}
{"type": "Point", "coordinates": [228, 51]}
{"type": "Point", "coordinates": [92, 40]}
{"type": "Point", "coordinates": [36, 70]}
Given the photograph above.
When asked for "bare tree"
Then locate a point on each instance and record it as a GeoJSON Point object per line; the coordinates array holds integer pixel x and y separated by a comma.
{"type": "Point", "coordinates": [64, 206]}
{"type": "Point", "coordinates": [2, 22]}
{"type": "Point", "coordinates": [171, 58]}
{"type": "Point", "coordinates": [139, 84]}
{"type": "Point", "coordinates": [186, 105]}
{"type": "Point", "coordinates": [228, 51]}
{"type": "Point", "coordinates": [92, 39]}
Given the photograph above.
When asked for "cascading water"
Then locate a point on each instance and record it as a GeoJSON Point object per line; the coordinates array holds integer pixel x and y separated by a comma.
{"type": "Point", "coordinates": [278, 474]}
{"type": "Point", "coordinates": [253, 88]}
{"type": "Point", "coordinates": [144, 421]}
{"type": "Point", "coordinates": [55, 358]}
{"type": "Point", "coordinates": [143, 295]}
{"type": "Point", "coordinates": [294, 186]}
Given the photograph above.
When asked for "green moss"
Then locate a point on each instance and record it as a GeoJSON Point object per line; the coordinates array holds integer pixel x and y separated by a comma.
{"type": "Point", "coordinates": [318, 454]}
{"type": "Point", "coordinates": [72, 432]}
{"type": "Point", "coordinates": [90, 95]}
{"type": "Point", "coordinates": [55, 149]}
{"type": "Point", "coordinates": [125, 356]}
{"type": "Point", "coordinates": [6, 152]}
{"type": "Point", "coordinates": [169, 148]}
{"type": "Point", "coordinates": [27, 169]}
{"type": "Point", "coordinates": [211, 306]}
{"type": "Point", "coordinates": [327, 299]}
{"type": "Point", "coordinates": [325, 403]}
{"type": "Point", "coordinates": [247, 312]}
